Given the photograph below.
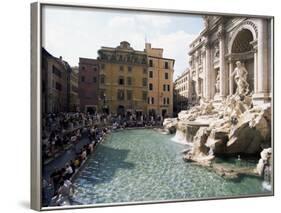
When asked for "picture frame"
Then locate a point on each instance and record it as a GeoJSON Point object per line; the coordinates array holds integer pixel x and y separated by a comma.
{"type": "Point", "coordinates": [261, 85]}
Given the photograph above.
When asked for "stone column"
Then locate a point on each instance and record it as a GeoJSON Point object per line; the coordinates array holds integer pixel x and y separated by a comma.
{"type": "Point", "coordinates": [230, 67]}
{"type": "Point", "coordinates": [223, 73]}
{"type": "Point", "coordinates": [204, 72]}
{"type": "Point", "coordinates": [263, 86]}
{"type": "Point", "coordinates": [189, 85]}
{"type": "Point", "coordinates": [208, 69]}
{"type": "Point", "coordinates": [197, 72]}
{"type": "Point", "coordinates": [262, 58]}
{"type": "Point", "coordinates": [255, 47]}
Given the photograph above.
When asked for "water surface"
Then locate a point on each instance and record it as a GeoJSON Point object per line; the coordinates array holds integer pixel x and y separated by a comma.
{"type": "Point", "coordinates": [144, 165]}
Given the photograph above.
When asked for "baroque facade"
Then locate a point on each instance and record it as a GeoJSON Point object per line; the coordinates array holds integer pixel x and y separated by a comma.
{"type": "Point", "coordinates": [223, 42]}
{"type": "Point", "coordinates": [160, 82]}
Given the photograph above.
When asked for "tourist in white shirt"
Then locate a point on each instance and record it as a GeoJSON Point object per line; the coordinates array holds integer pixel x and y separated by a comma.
{"type": "Point", "coordinates": [68, 171]}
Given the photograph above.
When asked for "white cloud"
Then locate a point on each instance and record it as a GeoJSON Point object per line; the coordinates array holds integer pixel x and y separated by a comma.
{"type": "Point", "coordinates": [153, 21]}
{"type": "Point", "coordinates": [139, 21]}
{"type": "Point", "coordinates": [80, 34]}
{"type": "Point", "coordinates": [176, 46]}
{"type": "Point", "coordinates": [120, 22]}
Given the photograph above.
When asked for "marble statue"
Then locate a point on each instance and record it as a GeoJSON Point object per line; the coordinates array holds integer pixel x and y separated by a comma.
{"type": "Point", "coordinates": [217, 83]}
{"type": "Point", "coordinates": [240, 76]}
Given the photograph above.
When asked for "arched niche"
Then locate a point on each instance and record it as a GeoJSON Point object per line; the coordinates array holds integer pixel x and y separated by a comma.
{"type": "Point", "coordinates": [241, 49]}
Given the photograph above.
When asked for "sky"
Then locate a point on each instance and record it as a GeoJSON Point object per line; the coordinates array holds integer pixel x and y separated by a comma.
{"type": "Point", "coordinates": [80, 32]}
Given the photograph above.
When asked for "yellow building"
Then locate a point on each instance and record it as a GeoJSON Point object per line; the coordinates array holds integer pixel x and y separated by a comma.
{"type": "Point", "coordinates": [160, 82]}
{"type": "Point", "coordinates": [123, 80]}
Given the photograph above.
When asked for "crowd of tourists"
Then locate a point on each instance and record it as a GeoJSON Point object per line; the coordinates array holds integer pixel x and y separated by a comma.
{"type": "Point", "coordinates": [132, 121]}
{"type": "Point", "coordinates": [63, 131]}
{"type": "Point", "coordinates": [59, 182]}
{"type": "Point", "coordinates": [61, 178]}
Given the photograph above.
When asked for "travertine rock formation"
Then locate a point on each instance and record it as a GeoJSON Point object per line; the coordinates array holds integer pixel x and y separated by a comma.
{"type": "Point", "coordinates": [170, 125]}
{"type": "Point", "coordinates": [232, 127]}
{"type": "Point", "coordinates": [229, 127]}
{"type": "Point", "coordinates": [265, 161]}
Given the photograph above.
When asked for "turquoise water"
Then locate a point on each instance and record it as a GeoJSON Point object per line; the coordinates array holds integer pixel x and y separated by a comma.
{"type": "Point", "coordinates": [144, 165]}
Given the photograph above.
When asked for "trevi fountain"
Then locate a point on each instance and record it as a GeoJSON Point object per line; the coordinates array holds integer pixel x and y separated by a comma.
{"type": "Point", "coordinates": [230, 128]}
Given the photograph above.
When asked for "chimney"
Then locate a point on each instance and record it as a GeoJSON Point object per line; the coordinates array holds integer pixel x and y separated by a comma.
{"type": "Point", "coordinates": [60, 58]}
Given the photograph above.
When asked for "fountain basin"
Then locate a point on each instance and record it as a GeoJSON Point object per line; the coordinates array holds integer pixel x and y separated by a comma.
{"type": "Point", "coordinates": [144, 165]}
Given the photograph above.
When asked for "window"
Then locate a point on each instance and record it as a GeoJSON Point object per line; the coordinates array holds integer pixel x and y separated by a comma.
{"type": "Point", "coordinates": [129, 69]}
{"type": "Point", "coordinates": [94, 79]}
{"type": "Point", "coordinates": [166, 65]}
{"type": "Point", "coordinates": [168, 87]}
{"type": "Point", "coordinates": [95, 69]}
{"type": "Point", "coordinates": [150, 63]}
{"type": "Point", "coordinates": [121, 80]}
{"type": "Point", "coordinates": [58, 86]}
{"type": "Point", "coordinates": [150, 74]}
{"type": "Point", "coordinates": [148, 100]}
{"type": "Point", "coordinates": [144, 95]}
{"type": "Point", "coordinates": [129, 95]}
{"type": "Point", "coordinates": [83, 68]}
{"type": "Point", "coordinates": [168, 100]}
{"type": "Point", "coordinates": [164, 100]}
{"type": "Point", "coordinates": [56, 71]}
{"type": "Point", "coordinates": [121, 68]}
{"type": "Point", "coordinates": [164, 87]}
{"type": "Point", "coordinates": [83, 78]}
{"type": "Point", "coordinates": [102, 79]}
{"type": "Point", "coordinates": [120, 95]}
{"type": "Point", "coordinates": [129, 80]}
{"type": "Point", "coordinates": [144, 82]}
{"type": "Point", "coordinates": [152, 100]}
{"type": "Point", "coordinates": [150, 86]}
{"type": "Point", "coordinates": [43, 86]}
{"type": "Point", "coordinates": [166, 75]}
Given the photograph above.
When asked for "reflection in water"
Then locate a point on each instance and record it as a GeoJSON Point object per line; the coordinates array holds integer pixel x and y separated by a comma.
{"type": "Point", "coordinates": [143, 165]}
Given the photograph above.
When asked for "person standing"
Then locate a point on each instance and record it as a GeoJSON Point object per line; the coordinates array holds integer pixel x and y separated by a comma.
{"type": "Point", "coordinates": [55, 177]}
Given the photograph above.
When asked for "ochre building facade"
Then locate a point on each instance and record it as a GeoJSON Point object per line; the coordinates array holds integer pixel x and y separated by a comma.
{"type": "Point", "coordinates": [160, 82]}
{"type": "Point", "coordinates": [123, 87]}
